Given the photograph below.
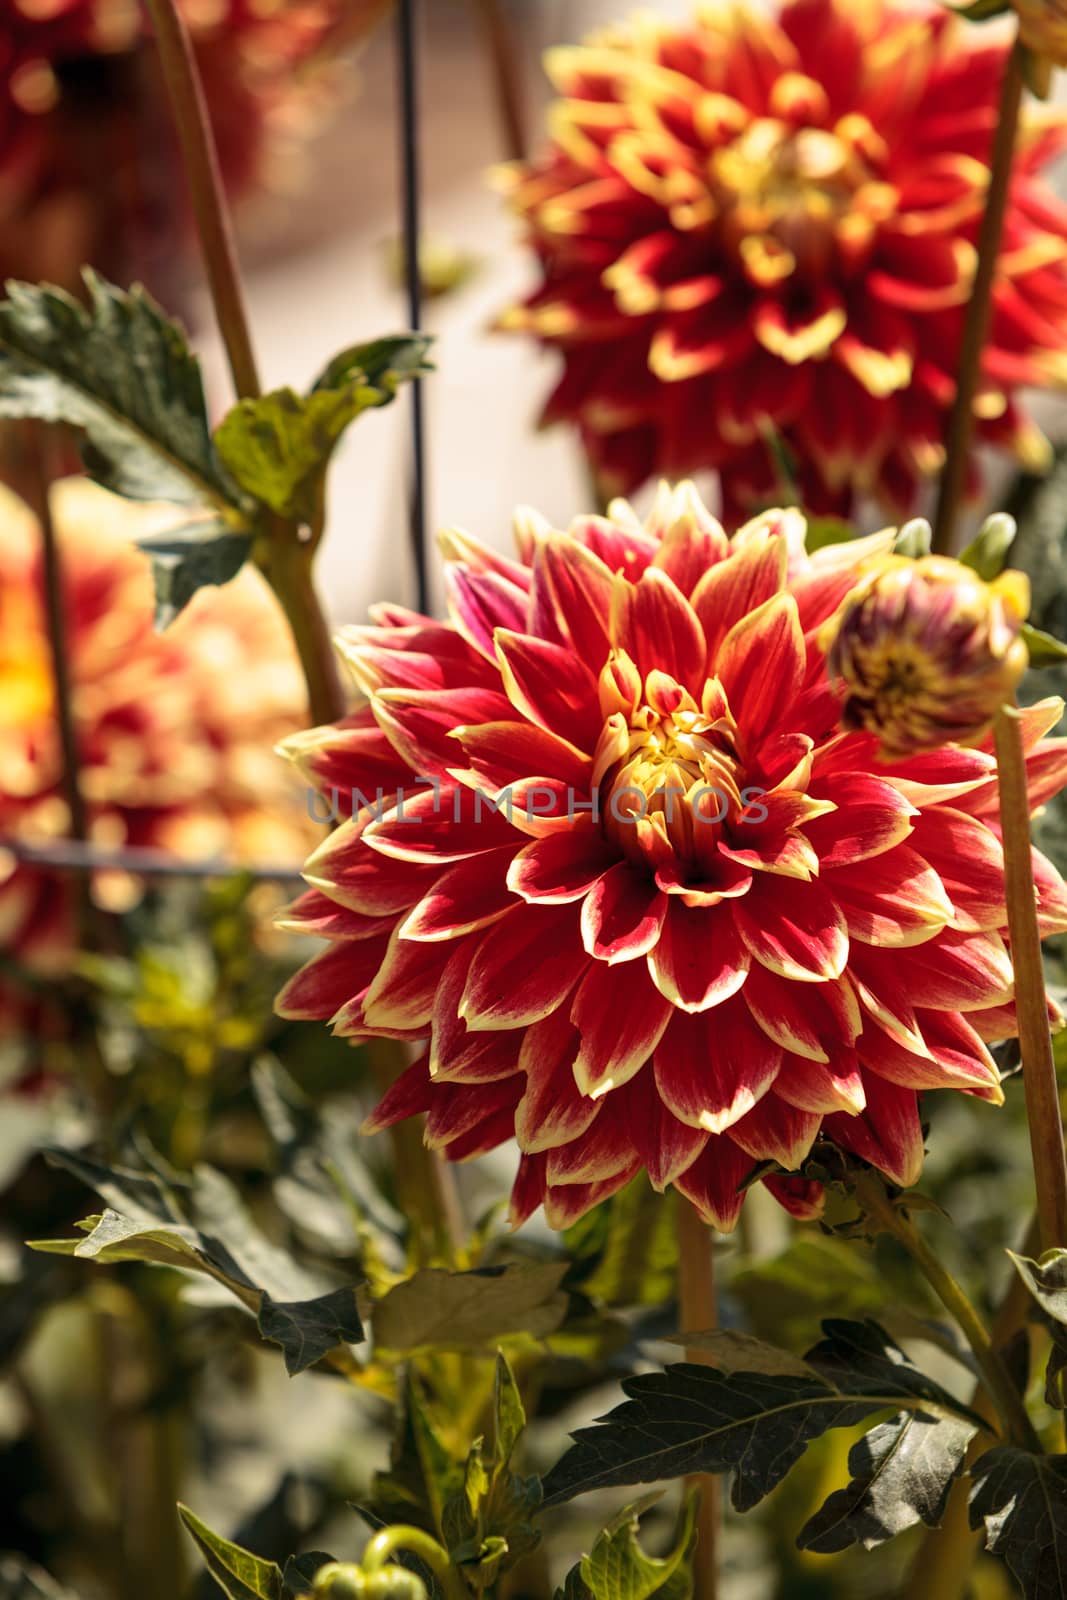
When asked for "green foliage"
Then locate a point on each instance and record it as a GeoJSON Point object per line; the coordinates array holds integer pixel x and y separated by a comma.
{"type": "Point", "coordinates": [824, 531]}
{"type": "Point", "coordinates": [756, 1424]}
{"type": "Point", "coordinates": [1047, 1282]}
{"type": "Point", "coordinates": [488, 1524]}
{"type": "Point", "coordinates": [1045, 650]}
{"type": "Point", "coordinates": [203, 1227]}
{"type": "Point", "coordinates": [1021, 1502]}
{"type": "Point", "coordinates": [448, 1310]}
{"type": "Point", "coordinates": [189, 558]}
{"type": "Point", "coordinates": [617, 1568]}
{"type": "Point", "coordinates": [988, 550]}
{"type": "Point", "coordinates": [625, 1252]}
{"type": "Point", "coordinates": [238, 1573]}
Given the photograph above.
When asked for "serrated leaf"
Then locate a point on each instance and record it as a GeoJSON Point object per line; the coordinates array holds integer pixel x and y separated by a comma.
{"type": "Point", "coordinates": [988, 550]}
{"type": "Point", "coordinates": [902, 1472]}
{"type": "Point", "coordinates": [445, 1310]}
{"type": "Point", "coordinates": [1045, 651]}
{"type": "Point", "coordinates": [122, 372]}
{"type": "Point", "coordinates": [734, 1351]}
{"type": "Point", "coordinates": [1047, 1282]}
{"type": "Point", "coordinates": [203, 1227]}
{"type": "Point", "coordinates": [1021, 1501]}
{"type": "Point", "coordinates": [239, 1573]}
{"type": "Point", "coordinates": [914, 538]}
{"type": "Point", "coordinates": [278, 446]}
{"type": "Point", "coordinates": [691, 1419]}
{"type": "Point", "coordinates": [618, 1569]}
{"type": "Point", "coordinates": [509, 1415]}
{"type": "Point", "coordinates": [189, 558]}
{"type": "Point", "coordinates": [382, 363]}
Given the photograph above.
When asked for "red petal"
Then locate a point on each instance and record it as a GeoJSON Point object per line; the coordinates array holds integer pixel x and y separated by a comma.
{"type": "Point", "coordinates": [749, 577]}
{"type": "Point", "coordinates": [801, 1197]}
{"type": "Point", "coordinates": [567, 1203]}
{"type": "Point", "coordinates": [409, 1096]}
{"type": "Point", "coordinates": [794, 929]}
{"type": "Point", "coordinates": [621, 1017]}
{"type": "Point", "coordinates": [571, 598]}
{"type": "Point", "coordinates": [666, 1145]}
{"type": "Point", "coordinates": [523, 967]}
{"type": "Point", "coordinates": [713, 1183]}
{"type": "Point", "coordinates": [360, 878]}
{"type": "Point", "coordinates": [813, 1086]}
{"type": "Point", "coordinates": [445, 822]}
{"type": "Point", "coordinates": [887, 1133]}
{"type": "Point", "coordinates": [761, 666]}
{"type": "Point", "coordinates": [467, 896]}
{"type": "Point", "coordinates": [654, 623]}
{"type": "Point", "coordinates": [402, 993]}
{"type": "Point", "coordinates": [959, 1058]}
{"type": "Point", "coordinates": [969, 860]}
{"type": "Point", "coordinates": [501, 753]}
{"type": "Point", "coordinates": [871, 817]}
{"type": "Point", "coordinates": [893, 900]}
{"type": "Point", "coordinates": [551, 686]}
{"type": "Point", "coordinates": [552, 1110]}
{"type": "Point", "coordinates": [777, 1132]}
{"type": "Point", "coordinates": [481, 602]}
{"type": "Point", "coordinates": [316, 914]}
{"type": "Point", "coordinates": [712, 1068]}
{"type": "Point", "coordinates": [561, 866]}
{"type": "Point", "coordinates": [419, 723]}
{"type": "Point", "coordinates": [811, 1019]}
{"type": "Point", "coordinates": [460, 1109]}
{"type": "Point", "coordinates": [622, 915]}
{"type": "Point", "coordinates": [700, 959]}
{"type": "Point", "coordinates": [325, 984]}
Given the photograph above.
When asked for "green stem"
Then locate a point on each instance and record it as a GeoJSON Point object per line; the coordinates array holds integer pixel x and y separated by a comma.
{"type": "Point", "coordinates": [893, 1218]}
{"type": "Point", "coordinates": [979, 307]}
{"type": "Point", "coordinates": [288, 567]}
{"type": "Point", "coordinates": [389, 1540]}
{"type": "Point", "coordinates": [698, 1312]}
{"type": "Point", "coordinates": [1035, 1040]}
{"type": "Point", "coordinates": [193, 125]}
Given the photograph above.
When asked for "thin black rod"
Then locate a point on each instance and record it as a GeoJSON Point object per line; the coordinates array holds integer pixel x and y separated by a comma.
{"type": "Point", "coordinates": [409, 126]}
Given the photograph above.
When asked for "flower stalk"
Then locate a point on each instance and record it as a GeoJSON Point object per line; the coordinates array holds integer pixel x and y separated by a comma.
{"type": "Point", "coordinates": [1035, 1041]}
{"type": "Point", "coordinates": [699, 1314]}
{"type": "Point", "coordinates": [979, 306]}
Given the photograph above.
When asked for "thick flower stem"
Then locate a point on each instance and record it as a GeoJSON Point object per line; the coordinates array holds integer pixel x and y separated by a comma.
{"type": "Point", "coordinates": [288, 566]}
{"type": "Point", "coordinates": [1035, 1041]}
{"type": "Point", "coordinates": [976, 321]}
{"type": "Point", "coordinates": [892, 1218]}
{"type": "Point", "coordinates": [699, 1313]}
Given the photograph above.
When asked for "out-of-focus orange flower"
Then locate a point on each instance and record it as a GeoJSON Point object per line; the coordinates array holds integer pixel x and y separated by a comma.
{"type": "Point", "coordinates": [612, 853]}
{"type": "Point", "coordinates": [175, 730]}
{"type": "Point", "coordinates": [757, 225]}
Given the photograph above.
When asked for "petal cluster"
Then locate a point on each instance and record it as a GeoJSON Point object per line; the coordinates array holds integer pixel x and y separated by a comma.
{"type": "Point", "coordinates": [608, 849]}
{"type": "Point", "coordinates": [757, 232]}
{"type": "Point", "coordinates": [175, 730]}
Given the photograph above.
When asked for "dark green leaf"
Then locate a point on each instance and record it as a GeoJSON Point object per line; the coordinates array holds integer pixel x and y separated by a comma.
{"type": "Point", "coordinates": [123, 372]}
{"type": "Point", "coordinates": [1047, 1282]}
{"type": "Point", "coordinates": [509, 1415]}
{"type": "Point", "coordinates": [1045, 651]}
{"type": "Point", "coordinates": [696, 1419]}
{"type": "Point", "coordinates": [446, 1310]}
{"type": "Point", "coordinates": [188, 558]}
{"type": "Point", "coordinates": [238, 1572]}
{"type": "Point", "coordinates": [423, 1475]}
{"type": "Point", "coordinates": [382, 363]}
{"type": "Point", "coordinates": [618, 1569]}
{"type": "Point", "coordinates": [299, 1572]}
{"type": "Point", "coordinates": [307, 1330]}
{"type": "Point", "coordinates": [734, 1351]}
{"type": "Point", "coordinates": [988, 550]}
{"type": "Point", "coordinates": [902, 1471]}
{"type": "Point", "coordinates": [1021, 1501]}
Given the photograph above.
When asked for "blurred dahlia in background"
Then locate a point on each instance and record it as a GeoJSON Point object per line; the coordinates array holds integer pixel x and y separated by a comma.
{"type": "Point", "coordinates": [175, 730]}
{"type": "Point", "coordinates": [647, 900]}
{"type": "Point", "coordinates": [758, 232]}
{"type": "Point", "coordinates": [87, 169]}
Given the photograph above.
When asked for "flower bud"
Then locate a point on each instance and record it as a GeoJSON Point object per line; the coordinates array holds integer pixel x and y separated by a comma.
{"type": "Point", "coordinates": [345, 1581]}
{"type": "Point", "coordinates": [927, 652]}
{"type": "Point", "coordinates": [1043, 31]}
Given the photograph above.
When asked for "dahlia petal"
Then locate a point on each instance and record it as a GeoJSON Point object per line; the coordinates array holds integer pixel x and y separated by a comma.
{"type": "Point", "coordinates": [797, 338]}
{"type": "Point", "coordinates": [803, 1198]}
{"type": "Point", "coordinates": [958, 1059]}
{"type": "Point", "coordinates": [571, 597]}
{"type": "Point", "coordinates": [316, 914]}
{"type": "Point", "coordinates": [481, 602]}
{"type": "Point", "coordinates": [653, 622]}
{"type": "Point", "coordinates": [699, 959]}
{"type": "Point", "coordinates": [408, 1097]}
{"type": "Point", "coordinates": [957, 971]}
{"type": "Point", "coordinates": [836, 1085]}
{"type": "Point", "coordinates": [969, 860]}
{"type": "Point", "coordinates": [523, 968]}
{"type": "Point", "coordinates": [714, 1183]}
{"type": "Point", "coordinates": [794, 929]}
{"type": "Point", "coordinates": [887, 1133]}
{"type": "Point", "coordinates": [469, 895]}
{"type": "Point", "coordinates": [594, 1156]}
{"type": "Point", "coordinates": [827, 576]}
{"type": "Point", "coordinates": [1046, 771]}
{"type": "Point", "coordinates": [462, 548]}
{"type": "Point", "coordinates": [528, 1191]}
{"type": "Point", "coordinates": [731, 590]}
{"type": "Point", "coordinates": [456, 1054]}
{"type": "Point", "coordinates": [812, 1020]}
{"type": "Point", "coordinates": [329, 980]}
{"type": "Point", "coordinates": [502, 753]}
{"type": "Point", "coordinates": [892, 900]}
{"type": "Point", "coordinates": [666, 1145]}
{"type": "Point", "coordinates": [565, 1204]}
{"type": "Point", "coordinates": [441, 823]}
{"type": "Point", "coordinates": [622, 915]}
{"type": "Point", "coordinates": [458, 1109]}
{"type": "Point", "coordinates": [552, 1110]}
{"type": "Point", "coordinates": [561, 866]}
{"type": "Point", "coordinates": [774, 1131]}
{"type": "Point", "coordinates": [886, 999]}
{"type": "Point", "coordinates": [486, 1135]}
{"type": "Point", "coordinates": [871, 817]}
{"type": "Point", "coordinates": [688, 549]}
{"type": "Point", "coordinates": [550, 685]}
{"type": "Point", "coordinates": [1051, 896]}
{"type": "Point", "coordinates": [354, 755]}
{"type": "Point", "coordinates": [712, 1068]}
{"type": "Point", "coordinates": [621, 1017]}
{"type": "Point", "coordinates": [938, 775]}
{"type": "Point", "coordinates": [419, 723]}
{"type": "Point", "coordinates": [761, 665]}
{"type": "Point", "coordinates": [402, 993]}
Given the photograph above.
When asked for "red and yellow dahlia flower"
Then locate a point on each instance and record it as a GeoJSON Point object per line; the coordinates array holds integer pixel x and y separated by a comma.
{"type": "Point", "coordinates": [175, 730]}
{"type": "Point", "coordinates": [613, 854]}
{"type": "Point", "coordinates": [754, 226]}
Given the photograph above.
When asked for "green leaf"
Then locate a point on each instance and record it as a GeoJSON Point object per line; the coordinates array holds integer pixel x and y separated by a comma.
{"type": "Point", "coordinates": [734, 1351]}
{"type": "Point", "coordinates": [902, 1472]}
{"type": "Point", "coordinates": [509, 1415]}
{"type": "Point", "coordinates": [123, 372]}
{"type": "Point", "coordinates": [188, 558]}
{"type": "Point", "coordinates": [1045, 651]}
{"type": "Point", "coordinates": [203, 1227]}
{"type": "Point", "coordinates": [988, 550]}
{"type": "Point", "coordinates": [625, 1252]}
{"type": "Point", "coordinates": [698, 1419]}
{"type": "Point", "coordinates": [446, 1310]}
{"type": "Point", "coordinates": [618, 1569]}
{"type": "Point", "coordinates": [382, 364]}
{"type": "Point", "coordinates": [423, 1475]}
{"type": "Point", "coordinates": [1021, 1501]}
{"type": "Point", "coordinates": [823, 531]}
{"type": "Point", "coordinates": [1047, 1282]}
{"type": "Point", "coordinates": [914, 538]}
{"type": "Point", "coordinates": [237, 1572]}
{"type": "Point", "coordinates": [298, 1574]}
